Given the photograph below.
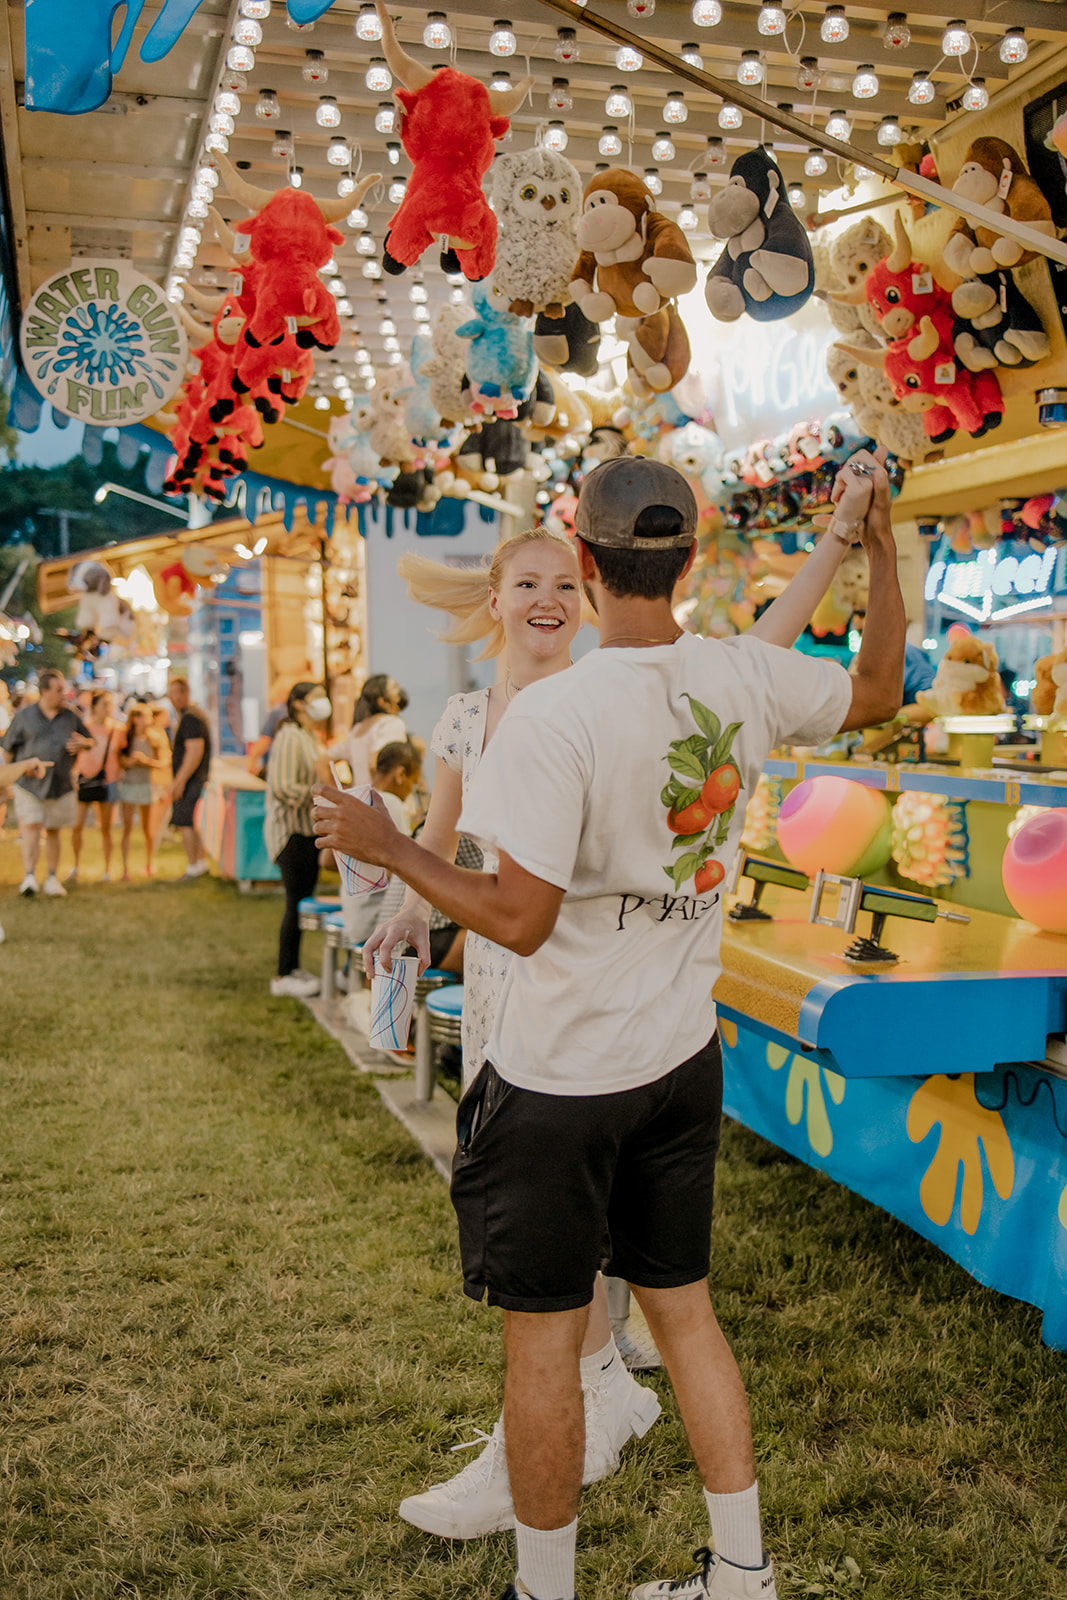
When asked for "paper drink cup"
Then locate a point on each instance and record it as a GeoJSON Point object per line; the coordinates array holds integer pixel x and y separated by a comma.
{"type": "Point", "coordinates": [392, 998]}
{"type": "Point", "coordinates": [357, 877]}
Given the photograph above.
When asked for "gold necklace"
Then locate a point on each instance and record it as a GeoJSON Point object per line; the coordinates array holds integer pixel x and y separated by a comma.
{"type": "Point", "coordinates": [637, 638]}
{"type": "Point", "coordinates": [511, 689]}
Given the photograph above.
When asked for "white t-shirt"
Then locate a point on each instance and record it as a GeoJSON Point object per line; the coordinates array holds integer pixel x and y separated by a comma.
{"type": "Point", "coordinates": [594, 783]}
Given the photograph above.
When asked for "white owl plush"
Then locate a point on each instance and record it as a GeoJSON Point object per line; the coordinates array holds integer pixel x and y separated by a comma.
{"type": "Point", "coordinates": [447, 366]}
{"type": "Point", "coordinates": [537, 198]}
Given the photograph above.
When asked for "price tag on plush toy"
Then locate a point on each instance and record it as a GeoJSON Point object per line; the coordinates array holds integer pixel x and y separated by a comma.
{"type": "Point", "coordinates": [922, 283]}
{"type": "Point", "coordinates": [238, 279]}
{"type": "Point", "coordinates": [763, 470]}
{"type": "Point", "coordinates": [291, 325]}
{"type": "Point", "coordinates": [241, 244]}
{"type": "Point", "coordinates": [1005, 181]}
{"type": "Point", "coordinates": [945, 372]}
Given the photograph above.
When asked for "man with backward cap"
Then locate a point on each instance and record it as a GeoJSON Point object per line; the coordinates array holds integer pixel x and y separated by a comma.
{"type": "Point", "coordinates": [614, 794]}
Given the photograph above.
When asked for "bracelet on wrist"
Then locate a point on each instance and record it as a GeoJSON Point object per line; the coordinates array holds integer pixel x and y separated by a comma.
{"type": "Point", "coordinates": [846, 532]}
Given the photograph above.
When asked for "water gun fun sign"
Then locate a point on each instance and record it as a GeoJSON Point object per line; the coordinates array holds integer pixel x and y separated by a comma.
{"type": "Point", "coordinates": [102, 344]}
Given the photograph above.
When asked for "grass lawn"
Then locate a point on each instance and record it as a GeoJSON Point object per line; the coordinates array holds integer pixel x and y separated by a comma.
{"type": "Point", "coordinates": [232, 1335]}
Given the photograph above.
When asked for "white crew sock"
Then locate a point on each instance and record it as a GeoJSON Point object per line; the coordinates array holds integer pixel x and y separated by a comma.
{"type": "Point", "coordinates": [546, 1560]}
{"type": "Point", "coordinates": [592, 1367]}
{"type": "Point", "coordinates": [735, 1529]}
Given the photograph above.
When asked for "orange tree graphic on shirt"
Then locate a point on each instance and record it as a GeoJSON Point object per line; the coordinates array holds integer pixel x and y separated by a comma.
{"type": "Point", "coordinates": [700, 796]}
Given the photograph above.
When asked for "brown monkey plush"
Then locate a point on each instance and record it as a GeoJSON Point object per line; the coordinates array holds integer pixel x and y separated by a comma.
{"type": "Point", "coordinates": [633, 259]}
{"type": "Point", "coordinates": [996, 175]}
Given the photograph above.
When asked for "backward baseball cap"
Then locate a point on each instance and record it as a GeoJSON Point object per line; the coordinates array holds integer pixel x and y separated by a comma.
{"type": "Point", "coordinates": [617, 491]}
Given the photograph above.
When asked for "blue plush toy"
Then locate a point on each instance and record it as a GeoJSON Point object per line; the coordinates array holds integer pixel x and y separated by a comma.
{"type": "Point", "coordinates": [501, 367]}
{"type": "Point", "coordinates": [766, 268]}
{"type": "Point", "coordinates": [420, 414]}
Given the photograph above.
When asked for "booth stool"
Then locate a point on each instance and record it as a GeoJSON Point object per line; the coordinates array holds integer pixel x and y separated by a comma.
{"type": "Point", "coordinates": [312, 911]}
{"type": "Point", "coordinates": [432, 979]}
{"type": "Point", "coordinates": [440, 1021]}
{"type": "Point", "coordinates": [333, 926]}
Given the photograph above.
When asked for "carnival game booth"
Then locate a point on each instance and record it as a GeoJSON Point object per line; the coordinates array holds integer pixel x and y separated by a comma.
{"type": "Point", "coordinates": [236, 606]}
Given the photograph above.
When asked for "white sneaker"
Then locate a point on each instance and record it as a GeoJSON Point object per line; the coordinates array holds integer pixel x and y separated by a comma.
{"type": "Point", "coordinates": [717, 1579]}
{"type": "Point", "coordinates": [295, 986]}
{"type": "Point", "coordinates": [53, 886]}
{"type": "Point", "coordinates": [478, 1499]}
{"type": "Point", "coordinates": [72, 876]}
{"type": "Point", "coordinates": [28, 885]}
{"type": "Point", "coordinates": [199, 869]}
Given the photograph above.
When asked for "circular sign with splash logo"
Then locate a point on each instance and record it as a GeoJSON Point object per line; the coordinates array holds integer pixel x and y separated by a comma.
{"type": "Point", "coordinates": [103, 344]}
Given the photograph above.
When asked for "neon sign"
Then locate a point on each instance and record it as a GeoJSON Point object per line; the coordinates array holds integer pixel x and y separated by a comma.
{"type": "Point", "coordinates": [974, 588]}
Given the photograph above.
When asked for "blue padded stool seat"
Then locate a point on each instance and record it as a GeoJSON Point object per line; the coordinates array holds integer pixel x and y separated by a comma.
{"type": "Point", "coordinates": [433, 978]}
{"type": "Point", "coordinates": [312, 910]}
{"type": "Point", "coordinates": [446, 1004]}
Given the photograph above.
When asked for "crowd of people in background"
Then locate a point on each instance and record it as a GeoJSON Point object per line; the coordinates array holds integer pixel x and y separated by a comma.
{"type": "Point", "coordinates": [84, 760]}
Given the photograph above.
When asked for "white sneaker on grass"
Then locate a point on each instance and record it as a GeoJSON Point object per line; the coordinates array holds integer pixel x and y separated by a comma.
{"type": "Point", "coordinates": [716, 1579]}
{"type": "Point", "coordinates": [477, 1500]}
{"type": "Point", "coordinates": [28, 886]}
{"type": "Point", "coordinates": [295, 986]}
{"type": "Point", "coordinates": [53, 887]}
{"type": "Point", "coordinates": [72, 876]}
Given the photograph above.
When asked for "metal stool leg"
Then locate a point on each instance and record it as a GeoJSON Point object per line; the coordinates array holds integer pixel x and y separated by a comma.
{"type": "Point", "coordinates": [617, 1291]}
{"type": "Point", "coordinates": [329, 968]}
{"type": "Point", "coordinates": [424, 1055]}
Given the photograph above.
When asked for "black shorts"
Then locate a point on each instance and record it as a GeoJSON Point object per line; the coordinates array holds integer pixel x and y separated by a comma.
{"type": "Point", "coordinates": [181, 812]}
{"type": "Point", "coordinates": [549, 1188]}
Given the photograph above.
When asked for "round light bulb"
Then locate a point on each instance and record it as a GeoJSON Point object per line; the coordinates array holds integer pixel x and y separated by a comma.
{"type": "Point", "coordinates": [976, 95]}
{"type": "Point", "coordinates": [706, 13]}
{"type": "Point", "coordinates": [259, 9]}
{"type": "Point", "coordinates": [394, 358]}
{"type": "Point", "coordinates": [559, 97]}
{"type": "Point", "coordinates": [640, 8]}
{"type": "Point", "coordinates": [421, 313]}
{"type": "Point", "coordinates": [663, 148]}
{"type": "Point", "coordinates": [555, 137]}
{"type": "Point", "coordinates": [692, 57]}
{"type": "Point", "coordinates": [865, 83]}
{"type": "Point", "coordinates": [299, 27]}
{"type": "Point", "coordinates": [371, 269]}
{"type": "Point", "coordinates": [889, 132]}
{"type": "Point", "coordinates": [834, 26]}
{"type": "Point", "coordinates": [282, 145]}
{"type": "Point", "coordinates": [437, 35]}
{"type": "Point", "coordinates": [730, 116]}
{"type": "Point", "coordinates": [221, 122]}
{"type": "Point", "coordinates": [675, 109]}
{"type": "Point", "coordinates": [207, 175]}
{"type": "Point", "coordinates": [202, 191]}
{"type": "Point", "coordinates": [397, 190]}
{"type": "Point", "coordinates": [566, 45]}
{"type": "Point", "coordinates": [339, 152]}
{"type": "Point", "coordinates": [387, 326]}
{"type": "Point", "coordinates": [234, 80]}
{"type": "Point", "coordinates": [385, 117]}
{"type": "Point", "coordinates": [296, 177]}
{"type": "Point", "coordinates": [229, 102]}
{"type": "Point", "coordinates": [771, 21]}
{"type": "Point", "coordinates": [365, 245]}
{"type": "Point", "coordinates": [808, 74]}
{"type": "Point", "coordinates": [618, 103]}
{"type": "Point", "coordinates": [197, 207]}
{"type": "Point", "coordinates": [314, 69]}
{"type": "Point", "coordinates": [896, 35]}
{"type": "Point", "coordinates": [815, 163]}
{"type": "Point", "coordinates": [628, 60]}
{"type": "Point", "coordinates": [379, 79]}
{"type": "Point", "coordinates": [861, 173]}
{"type": "Point", "coordinates": [921, 90]}
{"type": "Point", "coordinates": [368, 28]}
{"type": "Point", "coordinates": [700, 188]}
{"type": "Point", "coordinates": [240, 58]}
{"type": "Point", "coordinates": [797, 198]}
{"type": "Point", "coordinates": [358, 219]}
{"type": "Point", "coordinates": [688, 219]}
{"type": "Point", "coordinates": [328, 112]}
{"type": "Point", "coordinates": [246, 30]}
{"type": "Point", "coordinates": [716, 151]}
{"type": "Point", "coordinates": [456, 297]}
{"type": "Point", "coordinates": [417, 294]}
{"type": "Point", "coordinates": [322, 403]}
{"type": "Point", "coordinates": [609, 143]}
{"type": "Point", "coordinates": [500, 82]}
{"type": "Point", "coordinates": [653, 181]}
{"type": "Point", "coordinates": [750, 68]}
{"type": "Point", "coordinates": [502, 41]}
{"type": "Point", "coordinates": [389, 343]}
{"type": "Point", "coordinates": [392, 151]}
{"type": "Point", "coordinates": [336, 286]}
{"type": "Point", "coordinates": [345, 186]}
{"type": "Point", "coordinates": [175, 290]}
{"type": "Point", "coordinates": [217, 143]}
{"type": "Point", "coordinates": [267, 107]}
{"type": "Point", "coordinates": [956, 41]}
{"type": "Point", "coordinates": [1013, 47]}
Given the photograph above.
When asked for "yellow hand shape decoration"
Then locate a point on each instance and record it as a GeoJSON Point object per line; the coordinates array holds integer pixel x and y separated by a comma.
{"type": "Point", "coordinates": [966, 1126]}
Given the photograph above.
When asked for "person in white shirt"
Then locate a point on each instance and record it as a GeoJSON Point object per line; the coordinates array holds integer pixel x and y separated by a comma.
{"type": "Point", "coordinates": [613, 795]}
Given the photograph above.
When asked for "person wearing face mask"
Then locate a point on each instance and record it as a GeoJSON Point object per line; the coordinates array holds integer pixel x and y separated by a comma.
{"type": "Point", "coordinates": [376, 722]}
{"type": "Point", "coordinates": [296, 763]}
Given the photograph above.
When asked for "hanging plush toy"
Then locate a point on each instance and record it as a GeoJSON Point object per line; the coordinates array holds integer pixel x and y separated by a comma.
{"type": "Point", "coordinates": [924, 376]}
{"type": "Point", "coordinates": [570, 343]}
{"type": "Point", "coordinates": [421, 417]}
{"type": "Point", "coordinates": [388, 435]}
{"type": "Point", "coordinates": [851, 255]}
{"type": "Point", "coordinates": [500, 361]}
{"type": "Point", "coordinates": [100, 610]}
{"type": "Point", "coordinates": [1049, 696]}
{"type": "Point", "coordinates": [448, 126]}
{"type": "Point", "coordinates": [766, 268]}
{"type": "Point", "coordinates": [537, 197]}
{"type": "Point", "coordinates": [994, 174]}
{"type": "Point", "coordinates": [447, 367]}
{"type": "Point", "coordinates": [175, 583]}
{"type": "Point", "coordinates": [657, 351]}
{"type": "Point", "coordinates": [697, 452]}
{"type": "Point", "coordinates": [901, 290]}
{"type": "Point", "coordinates": [633, 260]}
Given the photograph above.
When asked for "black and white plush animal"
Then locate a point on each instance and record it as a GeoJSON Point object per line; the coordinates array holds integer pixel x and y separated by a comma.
{"type": "Point", "coordinates": [537, 197]}
{"type": "Point", "coordinates": [570, 343]}
{"type": "Point", "coordinates": [996, 325]}
{"type": "Point", "coordinates": [766, 268]}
